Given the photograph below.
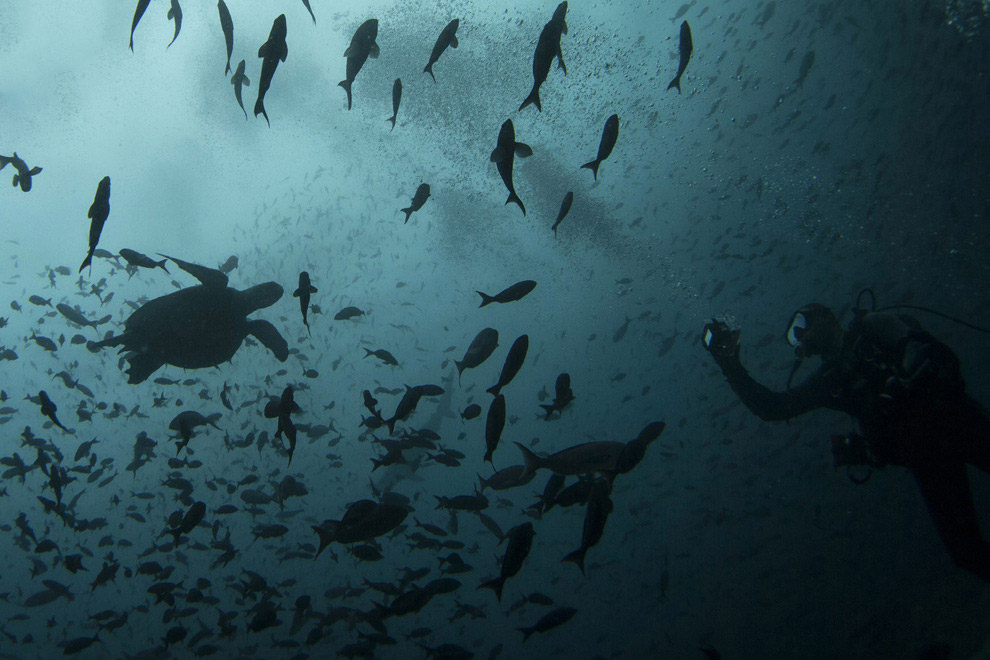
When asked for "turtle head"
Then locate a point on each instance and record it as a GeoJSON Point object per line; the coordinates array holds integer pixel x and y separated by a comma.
{"type": "Point", "coordinates": [261, 296]}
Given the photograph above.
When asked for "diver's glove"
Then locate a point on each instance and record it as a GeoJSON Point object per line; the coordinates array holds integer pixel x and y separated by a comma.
{"type": "Point", "coordinates": [722, 341]}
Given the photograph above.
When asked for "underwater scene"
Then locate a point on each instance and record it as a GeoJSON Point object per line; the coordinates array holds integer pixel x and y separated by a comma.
{"type": "Point", "coordinates": [453, 330]}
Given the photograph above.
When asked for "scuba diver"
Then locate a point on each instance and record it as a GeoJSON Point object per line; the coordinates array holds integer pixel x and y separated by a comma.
{"type": "Point", "coordinates": [906, 391]}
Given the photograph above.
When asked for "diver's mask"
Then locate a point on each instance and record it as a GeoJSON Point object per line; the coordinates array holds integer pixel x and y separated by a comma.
{"type": "Point", "coordinates": [810, 330]}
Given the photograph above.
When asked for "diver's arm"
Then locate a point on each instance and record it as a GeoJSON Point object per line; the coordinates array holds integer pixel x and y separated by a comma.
{"type": "Point", "coordinates": [768, 405]}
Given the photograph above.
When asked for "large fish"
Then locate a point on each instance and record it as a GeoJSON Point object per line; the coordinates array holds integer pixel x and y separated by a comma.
{"type": "Point", "coordinates": [140, 260]}
{"type": "Point", "coordinates": [506, 149]}
{"type": "Point", "coordinates": [271, 52]}
{"type": "Point", "coordinates": [686, 48]}
{"type": "Point", "coordinates": [609, 135]}
{"type": "Point", "coordinates": [513, 362]}
{"type": "Point", "coordinates": [494, 425]}
{"type": "Point", "coordinates": [227, 25]}
{"type": "Point", "coordinates": [595, 516]}
{"type": "Point", "coordinates": [362, 47]}
{"type": "Point", "coordinates": [448, 37]}
{"type": "Point", "coordinates": [481, 348]}
{"type": "Point", "coordinates": [562, 396]}
{"type": "Point", "coordinates": [547, 48]}
{"type": "Point", "coordinates": [99, 211]}
{"type": "Point", "coordinates": [520, 542]}
{"type": "Point", "coordinates": [238, 80]}
{"type": "Point", "coordinates": [565, 207]}
{"type": "Point", "coordinates": [517, 291]}
{"type": "Point", "coordinates": [138, 13]}
{"type": "Point", "coordinates": [303, 293]}
{"type": "Point", "coordinates": [396, 98]}
{"type": "Point", "coordinates": [422, 194]}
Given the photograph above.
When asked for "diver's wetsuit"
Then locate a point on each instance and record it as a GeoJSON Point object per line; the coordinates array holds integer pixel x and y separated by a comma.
{"type": "Point", "coordinates": [933, 427]}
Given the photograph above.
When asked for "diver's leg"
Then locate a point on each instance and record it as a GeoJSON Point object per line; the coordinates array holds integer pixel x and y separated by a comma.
{"type": "Point", "coordinates": [945, 487]}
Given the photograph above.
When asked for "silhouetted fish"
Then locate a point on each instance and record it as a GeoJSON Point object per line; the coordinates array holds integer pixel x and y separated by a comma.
{"type": "Point", "coordinates": [23, 174]}
{"type": "Point", "coordinates": [609, 135]}
{"type": "Point", "coordinates": [547, 48]}
{"type": "Point", "coordinates": [271, 52]}
{"type": "Point", "coordinates": [362, 46]}
{"type": "Point", "coordinates": [306, 2]}
{"type": "Point", "coordinates": [396, 98]}
{"type": "Point", "coordinates": [227, 25]}
{"type": "Point", "coordinates": [175, 14]}
{"type": "Point", "coordinates": [686, 47]}
{"type": "Point", "coordinates": [303, 293]}
{"type": "Point", "coordinates": [506, 149]}
{"type": "Point", "coordinates": [517, 291]}
{"type": "Point", "coordinates": [238, 80]}
{"type": "Point", "coordinates": [138, 13]}
{"type": "Point", "coordinates": [422, 194]}
{"type": "Point", "coordinates": [448, 37]}
{"type": "Point", "coordinates": [99, 211]}
{"type": "Point", "coordinates": [482, 346]}
{"type": "Point", "coordinates": [513, 362]}
{"type": "Point", "coordinates": [565, 207]}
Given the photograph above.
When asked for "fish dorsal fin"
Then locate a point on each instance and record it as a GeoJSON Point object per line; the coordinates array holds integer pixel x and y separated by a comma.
{"type": "Point", "coordinates": [285, 52]}
{"type": "Point", "coordinates": [206, 276]}
{"type": "Point", "coordinates": [453, 41]}
{"type": "Point", "coordinates": [374, 51]}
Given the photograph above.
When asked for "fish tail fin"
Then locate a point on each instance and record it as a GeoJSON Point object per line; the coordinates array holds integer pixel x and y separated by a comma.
{"type": "Point", "coordinates": [526, 633]}
{"type": "Point", "coordinates": [102, 321]}
{"type": "Point", "coordinates": [531, 461]}
{"type": "Point", "coordinates": [676, 82]}
{"type": "Point", "coordinates": [488, 455]}
{"type": "Point", "coordinates": [367, 352]}
{"type": "Point", "coordinates": [514, 198]}
{"type": "Point", "coordinates": [593, 166]}
{"type": "Point", "coordinates": [460, 370]}
{"type": "Point", "coordinates": [391, 119]}
{"type": "Point", "coordinates": [227, 70]}
{"type": "Point", "coordinates": [408, 211]}
{"type": "Point", "coordinates": [390, 423]}
{"type": "Point", "coordinates": [494, 389]}
{"type": "Point", "coordinates": [259, 109]}
{"type": "Point", "coordinates": [485, 300]}
{"type": "Point", "coordinates": [495, 585]}
{"type": "Point", "coordinates": [161, 264]}
{"type": "Point", "coordinates": [482, 483]}
{"type": "Point", "coordinates": [534, 98]}
{"type": "Point", "coordinates": [132, 42]}
{"type": "Point", "coordinates": [88, 261]}
{"type": "Point", "coordinates": [549, 409]}
{"type": "Point", "coordinates": [577, 557]}
{"type": "Point", "coordinates": [347, 88]}
{"type": "Point", "coordinates": [429, 70]}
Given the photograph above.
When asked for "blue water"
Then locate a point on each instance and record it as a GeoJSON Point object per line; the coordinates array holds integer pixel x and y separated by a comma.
{"type": "Point", "coordinates": [756, 190]}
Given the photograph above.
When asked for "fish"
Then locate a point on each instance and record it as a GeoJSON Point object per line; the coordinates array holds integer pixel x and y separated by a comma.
{"type": "Point", "coordinates": [271, 52]}
{"type": "Point", "coordinates": [517, 291]}
{"type": "Point", "coordinates": [348, 313]}
{"type": "Point", "coordinates": [189, 521]}
{"type": "Point", "coordinates": [448, 37]}
{"type": "Point", "coordinates": [557, 617]}
{"type": "Point", "coordinates": [506, 149]}
{"type": "Point", "coordinates": [39, 301]}
{"type": "Point", "coordinates": [238, 80]}
{"type": "Point", "coordinates": [481, 348]}
{"type": "Point", "coordinates": [227, 25]}
{"type": "Point", "coordinates": [306, 3]}
{"type": "Point", "coordinates": [99, 211]}
{"type": "Point", "coordinates": [22, 174]}
{"type": "Point", "coordinates": [596, 515]}
{"type": "Point", "coordinates": [494, 424]}
{"type": "Point", "coordinates": [547, 48]}
{"type": "Point", "coordinates": [362, 46]}
{"type": "Point", "coordinates": [565, 207]}
{"type": "Point", "coordinates": [620, 332]}
{"type": "Point", "coordinates": [303, 293]}
{"type": "Point", "coordinates": [175, 14]}
{"type": "Point", "coordinates": [396, 98]}
{"type": "Point", "coordinates": [422, 194]}
{"type": "Point", "coordinates": [77, 317]}
{"type": "Point", "coordinates": [609, 135]}
{"type": "Point", "coordinates": [140, 260]}
{"type": "Point", "coordinates": [382, 355]}
{"type": "Point", "coordinates": [520, 541]}
{"type": "Point", "coordinates": [282, 408]}
{"type": "Point", "coordinates": [562, 396]}
{"type": "Point", "coordinates": [513, 362]}
{"type": "Point", "coordinates": [471, 411]}
{"type": "Point", "coordinates": [806, 63]}
{"type": "Point", "coordinates": [49, 409]}
{"type": "Point", "coordinates": [228, 266]}
{"type": "Point", "coordinates": [138, 13]}
{"type": "Point", "coordinates": [686, 48]}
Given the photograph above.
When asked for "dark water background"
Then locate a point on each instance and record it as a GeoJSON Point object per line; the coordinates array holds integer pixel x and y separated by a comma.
{"type": "Point", "coordinates": [753, 192]}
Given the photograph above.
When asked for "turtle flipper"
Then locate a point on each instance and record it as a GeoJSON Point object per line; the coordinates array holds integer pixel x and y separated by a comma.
{"type": "Point", "coordinates": [141, 366]}
{"type": "Point", "coordinates": [206, 276]}
{"type": "Point", "coordinates": [266, 333]}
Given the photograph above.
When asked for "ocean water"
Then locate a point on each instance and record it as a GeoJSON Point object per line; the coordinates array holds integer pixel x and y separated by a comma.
{"type": "Point", "coordinates": [815, 149]}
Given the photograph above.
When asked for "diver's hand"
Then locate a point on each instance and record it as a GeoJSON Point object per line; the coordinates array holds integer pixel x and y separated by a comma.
{"type": "Point", "coordinates": [720, 340]}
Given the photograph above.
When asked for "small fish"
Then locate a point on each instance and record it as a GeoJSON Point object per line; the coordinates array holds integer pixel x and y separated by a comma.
{"type": "Point", "coordinates": [513, 363]}
{"type": "Point", "coordinates": [382, 355]}
{"type": "Point", "coordinates": [471, 411]}
{"type": "Point", "coordinates": [348, 313]}
{"type": "Point", "coordinates": [609, 135]}
{"type": "Point", "coordinates": [140, 260]}
{"type": "Point", "coordinates": [557, 617]}
{"type": "Point", "coordinates": [547, 48]}
{"type": "Point", "coordinates": [227, 25]}
{"type": "Point", "coordinates": [517, 291]}
{"type": "Point", "coordinates": [562, 396]}
{"type": "Point", "coordinates": [362, 46]}
{"type": "Point", "coordinates": [175, 14]}
{"type": "Point", "coordinates": [806, 63]}
{"type": "Point", "coordinates": [99, 211]}
{"type": "Point", "coordinates": [228, 266]}
{"type": "Point", "coordinates": [565, 207]}
{"type": "Point", "coordinates": [520, 542]}
{"type": "Point", "coordinates": [271, 52]}
{"type": "Point", "coordinates": [422, 194]}
{"type": "Point", "coordinates": [303, 293]}
{"type": "Point", "coordinates": [238, 80]}
{"type": "Point", "coordinates": [396, 98]}
{"type": "Point", "coordinates": [506, 149]}
{"type": "Point", "coordinates": [138, 13]}
{"type": "Point", "coordinates": [48, 409]}
{"type": "Point", "coordinates": [23, 174]}
{"type": "Point", "coordinates": [686, 48]}
{"type": "Point", "coordinates": [448, 37]}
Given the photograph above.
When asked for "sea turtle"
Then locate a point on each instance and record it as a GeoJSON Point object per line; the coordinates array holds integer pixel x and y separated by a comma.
{"type": "Point", "coordinates": [196, 327]}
